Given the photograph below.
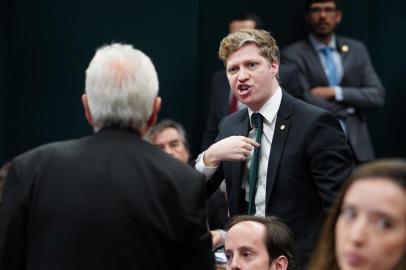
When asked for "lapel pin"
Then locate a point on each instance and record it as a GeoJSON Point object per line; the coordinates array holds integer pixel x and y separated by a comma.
{"type": "Point", "coordinates": [345, 48]}
{"type": "Point", "coordinates": [283, 127]}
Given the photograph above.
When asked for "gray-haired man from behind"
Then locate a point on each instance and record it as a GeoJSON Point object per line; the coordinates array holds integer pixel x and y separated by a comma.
{"type": "Point", "coordinates": [109, 200]}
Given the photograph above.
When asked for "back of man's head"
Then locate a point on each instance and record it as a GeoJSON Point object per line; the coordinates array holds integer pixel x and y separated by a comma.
{"type": "Point", "coordinates": [121, 85]}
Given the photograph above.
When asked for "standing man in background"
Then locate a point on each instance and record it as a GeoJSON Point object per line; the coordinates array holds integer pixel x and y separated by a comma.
{"type": "Point", "coordinates": [336, 74]}
{"type": "Point", "coordinates": [109, 200]}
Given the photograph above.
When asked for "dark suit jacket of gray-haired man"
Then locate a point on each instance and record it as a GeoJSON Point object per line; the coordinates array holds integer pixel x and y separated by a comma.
{"type": "Point", "coordinates": [109, 200]}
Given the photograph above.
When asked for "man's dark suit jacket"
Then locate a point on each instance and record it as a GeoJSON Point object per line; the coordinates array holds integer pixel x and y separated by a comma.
{"type": "Point", "coordinates": [107, 201]}
{"type": "Point", "coordinates": [309, 160]}
{"type": "Point", "coordinates": [219, 98]}
{"type": "Point", "coordinates": [361, 87]}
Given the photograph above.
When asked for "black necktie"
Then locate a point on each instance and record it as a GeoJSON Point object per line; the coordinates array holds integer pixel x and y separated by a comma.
{"type": "Point", "coordinates": [256, 120]}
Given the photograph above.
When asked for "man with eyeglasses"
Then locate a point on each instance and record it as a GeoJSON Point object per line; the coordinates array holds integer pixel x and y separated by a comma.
{"type": "Point", "coordinates": [336, 73]}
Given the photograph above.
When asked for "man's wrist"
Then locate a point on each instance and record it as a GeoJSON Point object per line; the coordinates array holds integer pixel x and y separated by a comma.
{"type": "Point", "coordinates": [338, 93]}
{"type": "Point", "coordinates": [202, 168]}
{"type": "Point", "coordinates": [209, 160]}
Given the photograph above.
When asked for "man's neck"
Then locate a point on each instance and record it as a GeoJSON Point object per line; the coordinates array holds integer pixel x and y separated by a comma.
{"type": "Point", "coordinates": [258, 107]}
{"type": "Point", "coordinates": [325, 39]}
{"type": "Point", "coordinates": [143, 130]}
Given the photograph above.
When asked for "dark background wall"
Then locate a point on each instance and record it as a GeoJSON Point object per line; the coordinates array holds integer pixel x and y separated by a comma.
{"type": "Point", "coordinates": [45, 47]}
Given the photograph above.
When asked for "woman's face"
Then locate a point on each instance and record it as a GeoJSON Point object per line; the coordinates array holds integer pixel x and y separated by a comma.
{"type": "Point", "coordinates": [371, 228]}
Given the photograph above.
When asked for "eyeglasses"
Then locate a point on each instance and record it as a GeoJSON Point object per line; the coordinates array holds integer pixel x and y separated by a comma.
{"type": "Point", "coordinates": [328, 10]}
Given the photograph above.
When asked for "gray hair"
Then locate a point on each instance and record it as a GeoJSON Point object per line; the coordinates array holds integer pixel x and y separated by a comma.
{"type": "Point", "coordinates": [121, 85]}
{"type": "Point", "coordinates": [161, 126]}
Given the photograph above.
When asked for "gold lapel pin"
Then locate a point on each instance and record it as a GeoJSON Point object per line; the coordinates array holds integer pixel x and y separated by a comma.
{"type": "Point", "coordinates": [283, 127]}
{"type": "Point", "coordinates": [345, 48]}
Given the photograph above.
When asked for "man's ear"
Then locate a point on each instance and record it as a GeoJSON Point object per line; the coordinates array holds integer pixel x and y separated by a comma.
{"type": "Point", "coordinates": [280, 263]}
{"type": "Point", "coordinates": [88, 114]}
{"type": "Point", "coordinates": [339, 16]}
{"type": "Point", "coordinates": [156, 107]}
{"type": "Point", "coordinates": [275, 68]}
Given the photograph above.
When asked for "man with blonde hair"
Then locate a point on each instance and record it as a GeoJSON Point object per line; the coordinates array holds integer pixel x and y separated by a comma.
{"type": "Point", "coordinates": [279, 156]}
{"type": "Point", "coordinates": [109, 200]}
{"type": "Point", "coordinates": [221, 99]}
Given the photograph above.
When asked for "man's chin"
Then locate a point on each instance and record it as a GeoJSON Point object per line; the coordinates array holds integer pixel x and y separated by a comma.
{"type": "Point", "coordinates": [323, 33]}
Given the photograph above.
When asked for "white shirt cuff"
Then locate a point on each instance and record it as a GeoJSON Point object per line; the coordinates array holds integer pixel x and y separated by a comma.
{"type": "Point", "coordinates": [339, 93]}
{"type": "Point", "coordinates": [202, 168]}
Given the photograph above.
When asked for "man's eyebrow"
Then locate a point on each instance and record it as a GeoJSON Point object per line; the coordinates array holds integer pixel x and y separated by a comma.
{"type": "Point", "coordinates": [243, 248]}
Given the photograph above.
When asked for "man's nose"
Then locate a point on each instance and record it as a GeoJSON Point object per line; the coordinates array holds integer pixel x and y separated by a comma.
{"type": "Point", "coordinates": [243, 75]}
{"type": "Point", "coordinates": [235, 264]}
{"type": "Point", "coordinates": [168, 150]}
{"type": "Point", "coordinates": [323, 13]}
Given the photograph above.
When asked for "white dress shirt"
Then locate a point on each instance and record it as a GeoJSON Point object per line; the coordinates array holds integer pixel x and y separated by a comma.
{"type": "Point", "coordinates": [269, 111]}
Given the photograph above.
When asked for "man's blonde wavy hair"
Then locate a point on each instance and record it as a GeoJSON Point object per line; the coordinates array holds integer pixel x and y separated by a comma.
{"type": "Point", "coordinates": [263, 39]}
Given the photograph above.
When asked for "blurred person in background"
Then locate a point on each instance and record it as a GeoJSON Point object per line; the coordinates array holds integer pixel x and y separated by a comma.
{"type": "Point", "coordinates": [336, 73]}
{"type": "Point", "coordinates": [366, 229]}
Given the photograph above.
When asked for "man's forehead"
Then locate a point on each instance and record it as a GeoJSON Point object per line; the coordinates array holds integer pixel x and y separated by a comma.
{"type": "Point", "coordinates": [248, 235]}
{"type": "Point", "coordinates": [249, 227]}
{"type": "Point", "coordinates": [246, 52]}
{"type": "Point", "coordinates": [323, 4]}
{"type": "Point", "coordinates": [241, 24]}
{"type": "Point", "coordinates": [168, 133]}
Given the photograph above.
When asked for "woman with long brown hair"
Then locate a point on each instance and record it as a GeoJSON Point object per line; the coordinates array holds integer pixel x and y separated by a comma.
{"type": "Point", "coordinates": [366, 228]}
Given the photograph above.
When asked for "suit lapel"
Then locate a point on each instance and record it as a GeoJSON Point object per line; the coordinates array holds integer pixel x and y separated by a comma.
{"type": "Point", "coordinates": [314, 62]}
{"type": "Point", "coordinates": [344, 50]}
{"type": "Point", "coordinates": [281, 131]}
